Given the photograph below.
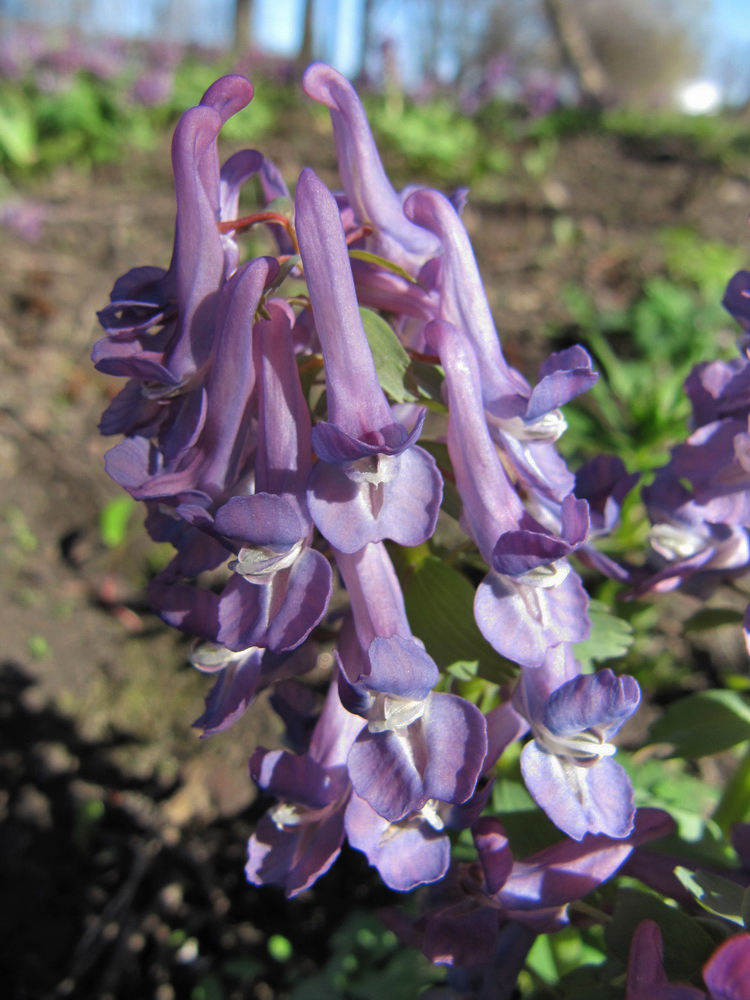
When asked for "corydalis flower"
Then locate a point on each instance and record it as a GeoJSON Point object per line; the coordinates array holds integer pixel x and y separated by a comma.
{"type": "Point", "coordinates": [371, 481]}
{"type": "Point", "coordinates": [726, 974]}
{"type": "Point", "coordinates": [417, 745]}
{"type": "Point", "coordinates": [369, 193]}
{"type": "Point", "coordinates": [182, 300]}
{"type": "Point", "coordinates": [281, 585]}
{"type": "Point", "coordinates": [301, 836]}
{"type": "Point", "coordinates": [568, 765]}
{"type": "Point", "coordinates": [530, 600]}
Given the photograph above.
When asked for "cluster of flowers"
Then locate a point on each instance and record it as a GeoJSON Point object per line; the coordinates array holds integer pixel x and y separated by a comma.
{"type": "Point", "coordinates": [220, 445]}
{"type": "Point", "coordinates": [699, 503]}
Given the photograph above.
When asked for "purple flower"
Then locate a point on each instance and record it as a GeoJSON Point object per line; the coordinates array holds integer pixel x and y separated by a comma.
{"type": "Point", "coordinates": [726, 973]}
{"type": "Point", "coordinates": [159, 324]}
{"type": "Point", "coordinates": [474, 908]}
{"type": "Point", "coordinates": [240, 676]}
{"type": "Point", "coordinates": [693, 546]}
{"type": "Point", "coordinates": [646, 975]}
{"type": "Point", "coordinates": [281, 586]}
{"type": "Point", "coordinates": [301, 836]}
{"type": "Point", "coordinates": [524, 422]}
{"type": "Point", "coordinates": [418, 745]}
{"type": "Point", "coordinates": [371, 481]}
{"type": "Point", "coordinates": [369, 193]}
{"type": "Point", "coordinates": [530, 600]}
{"type": "Point", "coordinates": [568, 766]}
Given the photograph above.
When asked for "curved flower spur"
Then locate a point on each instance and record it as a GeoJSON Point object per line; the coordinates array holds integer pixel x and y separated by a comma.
{"type": "Point", "coordinates": [182, 300]}
{"type": "Point", "coordinates": [371, 482]}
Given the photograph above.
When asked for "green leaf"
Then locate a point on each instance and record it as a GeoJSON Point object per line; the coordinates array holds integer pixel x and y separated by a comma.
{"type": "Point", "coordinates": [708, 618]}
{"type": "Point", "coordinates": [113, 520]}
{"type": "Point", "coordinates": [704, 723]}
{"type": "Point", "coordinates": [686, 943]}
{"type": "Point", "coordinates": [716, 894]}
{"type": "Point", "coordinates": [391, 360]}
{"type": "Point", "coordinates": [610, 636]}
{"type": "Point", "coordinates": [18, 138]}
{"type": "Point", "coordinates": [440, 607]}
{"type": "Point", "coordinates": [388, 265]}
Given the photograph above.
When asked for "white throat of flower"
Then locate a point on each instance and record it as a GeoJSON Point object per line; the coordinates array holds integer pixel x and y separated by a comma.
{"type": "Point", "coordinates": [258, 564]}
{"type": "Point", "coordinates": [584, 748]}
{"type": "Point", "coordinates": [391, 712]}
{"type": "Point", "coordinates": [549, 427]}
{"type": "Point", "coordinates": [547, 576]}
{"type": "Point", "coordinates": [374, 469]}
{"type": "Point", "coordinates": [674, 542]}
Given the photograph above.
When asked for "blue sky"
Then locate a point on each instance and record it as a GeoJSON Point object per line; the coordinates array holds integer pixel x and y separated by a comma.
{"type": "Point", "coordinates": [278, 25]}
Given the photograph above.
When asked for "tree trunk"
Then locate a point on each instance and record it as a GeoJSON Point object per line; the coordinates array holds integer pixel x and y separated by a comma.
{"type": "Point", "coordinates": [576, 50]}
{"type": "Point", "coordinates": [306, 52]}
{"type": "Point", "coordinates": [243, 25]}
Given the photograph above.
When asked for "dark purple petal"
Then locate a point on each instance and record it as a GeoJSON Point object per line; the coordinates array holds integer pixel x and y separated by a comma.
{"type": "Point", "coordinates": [517, 552]}
{"type": "Point", "coordinates": [262, 520]}
{"type": "Point", "coordinates": [293, 857]}
{"type": "Point", "coordinates": [604, 483]}
{"type": "Point", "coordinates": [494, 852]}
{"type": "Point", "coordinates": [387, 770]}
{"type": "Point", "coordinates": [571, 869]}
{"type": "Point", "coordinates": [736, 299]}
{"type": "Point", "coordinates": [232, 694]}
{"type": "Point", "coordinates": [646, 975]}
{"type": "Point", "coordinates": [727, 972]}
{"type": "Point", "coordinates": [563, 376]}
{"type": "Point", "coordinates": [299, 779]}
{"type": "Point", "coordinates": [279, 614]}
{"type": "Point", "coordinates": [188, 609]}
{"type": "Point", "coordinates": [463, 934]}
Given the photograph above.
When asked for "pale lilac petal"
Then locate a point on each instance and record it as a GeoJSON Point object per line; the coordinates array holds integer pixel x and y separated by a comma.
{"type": "Point", "coordinates": [579, 800]}
{"type": "Point", "coordinates": [522, 622]}
{"type": "Point", "coordinates": [455, 739]}
{"type": "Point", "coordinates": [599, 701]}
{"type": "Point", "coordinates": [350, 514]}
{"type": "Point", "coordinates": [401, 667]}
{"type": "Point", "coordinates": [406, 854]}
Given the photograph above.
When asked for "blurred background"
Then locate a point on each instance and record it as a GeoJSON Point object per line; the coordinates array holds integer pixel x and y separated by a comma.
{"type": "Point", "coordinates": [607, 151]}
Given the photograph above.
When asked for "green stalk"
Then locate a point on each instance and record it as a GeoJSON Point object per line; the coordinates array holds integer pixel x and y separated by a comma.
{"type": "Point", "coordinates": [734, 803]}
